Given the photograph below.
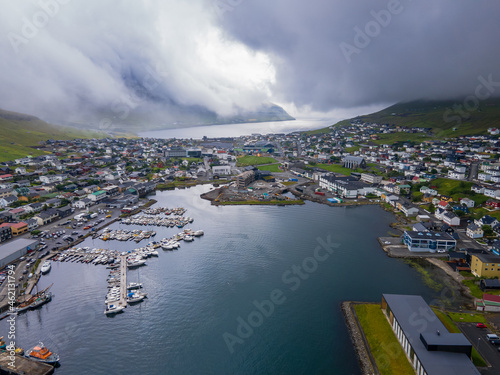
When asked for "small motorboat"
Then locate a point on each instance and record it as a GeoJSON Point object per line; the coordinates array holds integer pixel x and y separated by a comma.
{"type": "Point", "coordinates": [41, 354]}
{"type": "Point", "coordinates": [113, 309]}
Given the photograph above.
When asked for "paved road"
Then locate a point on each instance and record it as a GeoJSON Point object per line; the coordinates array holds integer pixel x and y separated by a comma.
{"type": "Point", "coordinates": [473, 171]}
{"type": "Point", "coordinates": [477, 336]}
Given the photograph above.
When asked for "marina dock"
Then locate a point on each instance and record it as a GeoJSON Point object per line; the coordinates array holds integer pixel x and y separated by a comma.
{"type": "Point", "coordinates": [23, 365]}
{"type": "Point", "coordinates": [123, 281]}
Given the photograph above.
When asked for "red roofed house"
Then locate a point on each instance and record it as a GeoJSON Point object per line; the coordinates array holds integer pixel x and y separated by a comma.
{"type": "Point", "coordinates": [488, 303]}
{"type": "Point", "coordinates": [17, 228]}
{"type": "Point", "coordinates": [493, 204]}
{"type": "Point", "coordinates": [444, 205]}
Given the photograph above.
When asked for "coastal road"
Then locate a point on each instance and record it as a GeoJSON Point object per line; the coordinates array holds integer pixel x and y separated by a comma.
{"type": "Point", "coordinates": [477, 336]}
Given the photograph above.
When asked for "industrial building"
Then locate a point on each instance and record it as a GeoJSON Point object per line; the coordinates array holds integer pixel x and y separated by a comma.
{"type": "Point", "coordinates": [15, 249]}
{"type": "Point", "coordinates": [428, 345]}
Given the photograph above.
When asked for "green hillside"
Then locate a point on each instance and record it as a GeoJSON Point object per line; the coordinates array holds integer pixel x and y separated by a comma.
{"type": "Point", "coordinates": [20, 134]}
{"type": "Point", "coordinates": [446, 118]}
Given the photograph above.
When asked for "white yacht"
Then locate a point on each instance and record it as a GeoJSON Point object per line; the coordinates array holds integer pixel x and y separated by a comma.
{"type": "Point", "coordinates": [45, 267]}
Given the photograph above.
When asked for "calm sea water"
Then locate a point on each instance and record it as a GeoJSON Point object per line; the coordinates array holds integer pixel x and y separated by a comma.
{"type": "Point", "coordinates": [236, 130]}
{"type": "Point", "coordinates": [199, 294]}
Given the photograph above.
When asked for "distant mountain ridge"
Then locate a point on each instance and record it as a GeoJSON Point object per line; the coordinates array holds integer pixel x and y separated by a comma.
{"type": "Point", "coordinates": [20, 134]}
{"type": "Point", "coordinates": [159, 115]}
{"type": "Point", "coordinates": [446, 118]}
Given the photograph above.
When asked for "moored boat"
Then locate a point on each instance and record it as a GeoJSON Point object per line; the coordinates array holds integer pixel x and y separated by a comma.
{"type": "Point", "coordinates": [112, 309]}
{"type": "Point", "coordinates": [45, 267]}
{"type": "Point", "coordinates": [41, 354]}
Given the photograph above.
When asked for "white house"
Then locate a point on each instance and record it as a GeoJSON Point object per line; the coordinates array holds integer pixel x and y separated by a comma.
{"type": "Point", "coordinates": [474, 231]}
{"type": "Point", "coordinates": [82, 203]}
{"type": "Point", "coordinates": [451, 219]}
{"type": "Point", "coordinates": [97, 196]}
{"type": "Point", "coordinates": [467, 202]}
{"type": "Point", "coordinates": [221, 170]}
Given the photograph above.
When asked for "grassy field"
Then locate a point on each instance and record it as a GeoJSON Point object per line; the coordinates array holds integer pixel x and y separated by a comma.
{"type": "Point", "coordinates": [438, 116]}
{"type": "Point", "coordinates": [247, 160]}
{"type": "Point", "coordinates": [470, 318]}
{"type": "Point", "coordinates": [18, 132]}
{"type": "Point", "coordinates": [474, 288]}
{"type": "Point", "coordinates": [335, 168]}
{"type": "Point", "coordinates": [385, 348]}
{"type": "Point", "coordinates": [389, 139]}
{"type": "Point", "coordinates": [270, 168]}
{"type": "Point", "coordinates": [451, 327]}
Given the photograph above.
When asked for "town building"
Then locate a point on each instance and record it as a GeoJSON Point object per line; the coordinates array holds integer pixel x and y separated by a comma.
{"type": "Point", "coordinates": [429, 241]}
{"type": "Point", "coordinates": [428, 345]}
{"type": "Point", "coordinates": [15, 249]}
{"type": "Point", "coordinates": [244, 179]}
{"type": "Point", "coordinates": [485, 265]}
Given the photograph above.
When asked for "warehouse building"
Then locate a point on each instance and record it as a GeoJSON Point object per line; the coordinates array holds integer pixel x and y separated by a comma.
{"type": "Point", "coordinates": [428, 345]}
{"type": "Point", "coordinates": [15, 249]}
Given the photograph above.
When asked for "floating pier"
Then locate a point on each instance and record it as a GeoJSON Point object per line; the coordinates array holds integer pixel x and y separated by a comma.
{"type": "Point", "coordinates": [23, 365]}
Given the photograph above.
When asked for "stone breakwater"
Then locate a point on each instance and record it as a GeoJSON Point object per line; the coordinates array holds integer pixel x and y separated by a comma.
{"type": "Point", "coordinates": [360, 345]}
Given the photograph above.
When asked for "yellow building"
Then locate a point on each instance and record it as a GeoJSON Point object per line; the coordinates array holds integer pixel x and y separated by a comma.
{"type": "Point", "coordinates": [485, 265]}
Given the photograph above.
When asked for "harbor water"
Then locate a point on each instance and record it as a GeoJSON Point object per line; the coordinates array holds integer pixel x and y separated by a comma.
{"type": "Point", "coordinates": [259, 293]}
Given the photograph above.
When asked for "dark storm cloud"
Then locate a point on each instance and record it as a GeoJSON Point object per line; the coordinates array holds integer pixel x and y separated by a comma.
{"type": "Point", "coordinates": [338, 53]}
{"type": "Point", "coordinates": [67, 57]}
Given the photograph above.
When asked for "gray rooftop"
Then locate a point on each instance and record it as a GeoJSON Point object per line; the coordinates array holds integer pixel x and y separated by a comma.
{"type": "Point", "coordinates": [430, 235]}
{"type": "Point", "coordinates": [415, 317]}
{"type": "Point", "coordinates": [12, 246]}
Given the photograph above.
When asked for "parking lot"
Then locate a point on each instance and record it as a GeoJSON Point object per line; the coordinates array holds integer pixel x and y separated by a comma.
{"type": "Point", "coordinates": [477, 336]}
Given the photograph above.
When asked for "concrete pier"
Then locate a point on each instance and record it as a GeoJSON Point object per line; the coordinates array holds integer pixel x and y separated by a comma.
{"type": "Point", "coordinates": [23, 365]}
{"type": "Point", "coordinates": [123, 281]}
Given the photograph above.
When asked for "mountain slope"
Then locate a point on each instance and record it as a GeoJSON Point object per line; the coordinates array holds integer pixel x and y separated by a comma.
{"type": "Point", "coordinates": [19, 133]}
{"type": "Point", "coordinates": [445, 118]}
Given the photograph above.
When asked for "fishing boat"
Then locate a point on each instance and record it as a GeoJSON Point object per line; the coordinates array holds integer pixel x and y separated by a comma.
{"type": "Point", "coordinates": [41, 300]}
{"type": "Point", "coordinates": [41, 354]}
{"type": "Point", "coordinates": [45, 267]}
{"type": "Point", "coordinates": [113, 309]}
{"type": "Point", "coordinates": [3, 345]}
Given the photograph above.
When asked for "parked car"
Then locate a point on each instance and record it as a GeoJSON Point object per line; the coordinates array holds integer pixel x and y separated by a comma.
{"type": "Point", "coordinates": [481, 325]}
{"type": "Point", "coordinates": [492, 338]}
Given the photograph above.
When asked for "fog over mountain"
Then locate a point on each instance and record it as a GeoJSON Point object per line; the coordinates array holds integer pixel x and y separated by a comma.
{"type": "Point", "coordinates": [110, 62]}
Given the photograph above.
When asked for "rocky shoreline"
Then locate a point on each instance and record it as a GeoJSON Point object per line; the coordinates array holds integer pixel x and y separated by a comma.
{"type": "Point", "coordinates": [366, 361]}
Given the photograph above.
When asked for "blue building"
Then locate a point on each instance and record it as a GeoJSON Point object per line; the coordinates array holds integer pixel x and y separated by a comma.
{"type": "Point", "coordinates": [429, 241]}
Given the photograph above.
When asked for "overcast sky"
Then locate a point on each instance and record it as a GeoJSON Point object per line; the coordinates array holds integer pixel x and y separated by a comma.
{"type": "Point", "coordinates": [316, 56]}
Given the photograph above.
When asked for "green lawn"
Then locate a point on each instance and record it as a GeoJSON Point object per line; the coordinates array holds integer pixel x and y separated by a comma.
{"type": "Point", "coordinates": [270, 168]}
{"type": "Point", "coordinates": [464, 317]}
{"type": "Point", "coordinates": [335, 168]}
{"type": "Point", "coordinates": [474, 288]}
{"type": "Point", "coordinates": [385, 348]}
{"type": "Point", "coordinates": [247, 160]}
{"type": "Point", "coordinates": [451, 327]}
